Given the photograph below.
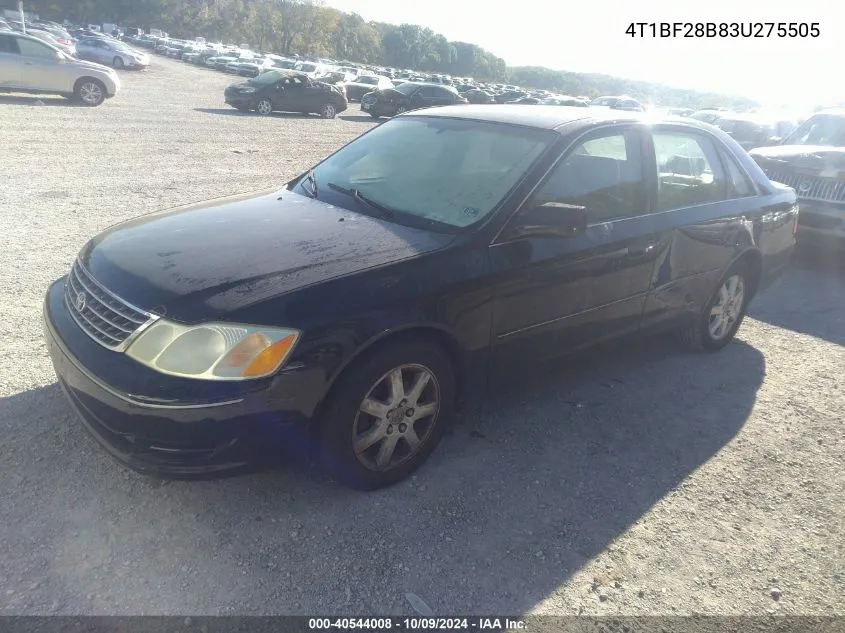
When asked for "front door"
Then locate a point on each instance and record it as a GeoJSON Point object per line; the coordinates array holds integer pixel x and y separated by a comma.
{"type": "Point", "coordinates": [554, 295]}
{"type": "Point", "coordinates": [41, 68]}
{"type": "Point", "coordinates": [289, 95]}
{"type": "Point", "coordinates": [11, 62]}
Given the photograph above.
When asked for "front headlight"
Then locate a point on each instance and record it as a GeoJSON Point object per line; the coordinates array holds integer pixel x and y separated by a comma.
{"type": "Point", "coordinates": [213, 351]}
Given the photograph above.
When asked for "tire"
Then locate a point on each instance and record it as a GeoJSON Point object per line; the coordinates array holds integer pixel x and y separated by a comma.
{"type": "Point", "coordinates": [364, 467]}
{"type": "Point", "coordinates": [711, 333]}
{"type": "Point", "coordinates": [400, 109]}
{"type": "Point", "coordinates": [117, 62]}
{"type": "Point", "coordinates": [90, 92]}
{"type": "Point", "coordinates": [375, 116]}
{"type": "Point", "coordinates": [264, 107]}
{"type": "Point", "coordinates": [328, 111]}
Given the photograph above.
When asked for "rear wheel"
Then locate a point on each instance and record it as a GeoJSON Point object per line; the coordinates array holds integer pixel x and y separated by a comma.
{"type": "Point", "coordinates": [264, 107]}
{"type": "Point", "coordinates": [117, 62]}
{"type": "Point", "coordinates": [90, 92]}
{"type": "Point", "coordinates": [387, 414]}
{"type": "Point", "coordinates": [723, 314]}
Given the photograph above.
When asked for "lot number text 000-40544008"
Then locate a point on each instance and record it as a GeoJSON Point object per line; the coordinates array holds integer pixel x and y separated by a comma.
{"type": "Point", "coordinates": [724, 29]}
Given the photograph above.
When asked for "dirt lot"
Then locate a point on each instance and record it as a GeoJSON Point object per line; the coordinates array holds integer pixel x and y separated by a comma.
{"type": "Point", "coordinates": [642, 480]}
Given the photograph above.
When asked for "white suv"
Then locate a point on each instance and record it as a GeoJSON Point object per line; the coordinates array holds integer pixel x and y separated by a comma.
{"type": "Point", "coordinates": [28, 64]}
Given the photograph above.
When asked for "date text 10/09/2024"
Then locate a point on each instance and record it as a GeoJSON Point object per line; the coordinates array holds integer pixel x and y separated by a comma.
{"type": "Point", "coordinates": [724, 29]}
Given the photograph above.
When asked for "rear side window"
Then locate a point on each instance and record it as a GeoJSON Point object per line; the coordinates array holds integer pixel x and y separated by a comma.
{"type": "Point", "coordinates": [689, 170]}
{"type": "Point", "coordinates": [9, 44]}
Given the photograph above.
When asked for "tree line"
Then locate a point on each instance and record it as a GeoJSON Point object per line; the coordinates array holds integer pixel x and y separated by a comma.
{"type": "Point", "coordinates": [310, 28]}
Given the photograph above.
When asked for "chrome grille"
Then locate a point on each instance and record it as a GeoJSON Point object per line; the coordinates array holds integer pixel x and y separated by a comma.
{"type": "Point", "coordinates": [811, 187]}
{"type": "Point", "coordinates": [102, 315]}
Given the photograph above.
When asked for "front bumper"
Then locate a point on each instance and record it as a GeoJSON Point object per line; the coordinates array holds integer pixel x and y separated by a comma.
{"type": "Point", "coordinates": [238, 100]}
{"type": "Point", "coordinates": [187, 439]}
{"type": "Point", "coordinates": [822, 224]}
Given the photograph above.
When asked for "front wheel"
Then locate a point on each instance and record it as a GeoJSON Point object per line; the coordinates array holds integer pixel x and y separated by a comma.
{"type": "Point", "coordinates": [328, 111]}
{"type": "Point", "coordinates": [90, 92]}
{"type": "Point", "coordinates": [117, 62]}
{"type": "Point", "coordinates": [400, 109]}
{"type": "Point", "coordinates": [723, 313]}
{"type": "Point", "coordinates": [375, 116]}
{"type": "Point", "coordinates": [264, 107]}
{"type": "Point", "coordinates": [387, 415]}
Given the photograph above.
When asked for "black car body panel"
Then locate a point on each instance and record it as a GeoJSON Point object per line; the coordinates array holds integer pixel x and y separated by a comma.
{"type": "Point", "coordinates": [408, 96]}
{"type": "Point", "coordinates": [497, 300]}
{"type": "Point", "coordinates": [293, 92]}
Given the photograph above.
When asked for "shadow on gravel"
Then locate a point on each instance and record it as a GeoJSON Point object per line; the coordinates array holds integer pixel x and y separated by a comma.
{"type": "Point", "coordinates": [275, 115]}
{"type": "Point", "coordinates": [524, 492]}
{"type": "Point", "coordinates": [810, 298]}
{"type": "Point", "coordinates": [361, 119]}
{"type": "Point", "coordinates": [39, 100]}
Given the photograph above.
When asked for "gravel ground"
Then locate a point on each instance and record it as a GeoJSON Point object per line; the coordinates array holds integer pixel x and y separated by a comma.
{"type": "Point", "coordinates": [638, 480]}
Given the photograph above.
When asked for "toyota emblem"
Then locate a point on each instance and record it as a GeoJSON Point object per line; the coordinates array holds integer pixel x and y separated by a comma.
{"type": "Point", "coordinates": [80, 301]}
{"type": "Point", "coordinates": [804, 187]}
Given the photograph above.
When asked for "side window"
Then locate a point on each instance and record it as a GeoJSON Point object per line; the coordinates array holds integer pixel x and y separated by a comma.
{"type": "Point", "coordinates": [739, 183]}
{"type": "Point", "coordinates": [33, 49]}
{"type": "Point", "coordinates": [603, 174]}
{"type": "Point", "coordinates": [9, 44]}
{"type": "Point", "coordinates": [688, 170]}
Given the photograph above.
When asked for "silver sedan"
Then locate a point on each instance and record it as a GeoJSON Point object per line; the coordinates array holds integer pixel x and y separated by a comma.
{"type": "Point", "coordinates": [111, 53]}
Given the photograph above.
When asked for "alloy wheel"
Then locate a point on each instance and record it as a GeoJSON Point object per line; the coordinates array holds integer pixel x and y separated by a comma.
{"type": "Point", "coordinates": [264, 107]}
{"type": "Point", "coordinates": [91, 93]}
{"type": "Point", "coordinates": [396, 417]}
{"type": "Point", "coordinates": [328, 111]}
{"type": "Point", "coordinates": [728, 307]}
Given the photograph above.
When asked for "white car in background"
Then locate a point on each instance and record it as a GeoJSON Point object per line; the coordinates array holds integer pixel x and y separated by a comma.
{"type": "Point", "coordinates": [311, 70]}
{"type": "Point", "coordinates": [28, 64]}
{"type": "Point", "coordinates": [111, 53]}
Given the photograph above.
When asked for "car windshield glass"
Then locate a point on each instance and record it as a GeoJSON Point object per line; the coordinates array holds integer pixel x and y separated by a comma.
{"type": "Point", "coordinates": [406, 89]}
{"type": "Point", "coordinates": [460, 171]}
{"type": "Point", "coordinates": [819, 130]}
{"type": "Point", "coordinates": [271, 76]}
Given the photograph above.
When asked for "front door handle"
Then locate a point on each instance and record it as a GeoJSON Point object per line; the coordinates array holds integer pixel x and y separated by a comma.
{"type": "Point", "coordinates": [642, 250]}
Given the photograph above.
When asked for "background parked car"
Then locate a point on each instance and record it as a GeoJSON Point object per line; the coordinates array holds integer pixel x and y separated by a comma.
{"type": "Point", "coordinates": [408, 96]}
{"type": "Point", "coordinates": [748, 130]}
{"type": "Point", "coordinates": [28, 64]}
{"type": "Point", "coordinates": [365, 83]}
{"type": "Point", "coordinates": [67, 46]}
{"type": "Point", "coordinates": [478, 96]}
{"type": "Point", "coordinates": [286, 91]}
{"type": "Point", "coordinates": [111, 53]}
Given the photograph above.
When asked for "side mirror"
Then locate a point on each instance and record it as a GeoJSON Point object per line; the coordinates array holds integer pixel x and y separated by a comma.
{"type": "Point", "coordinates": [550, 219]}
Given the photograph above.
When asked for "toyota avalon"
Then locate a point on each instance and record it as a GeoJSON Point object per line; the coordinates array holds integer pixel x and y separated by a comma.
{"type": "Point", "coordinates": [352, 310]}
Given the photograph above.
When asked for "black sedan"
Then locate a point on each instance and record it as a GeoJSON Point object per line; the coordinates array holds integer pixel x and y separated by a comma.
{"type": "Point", "coordinates": [408, 96]}
{"type": "Point", "coordinates": [286, 91]}
{"type": "Point", "coordinates": [441, 252]}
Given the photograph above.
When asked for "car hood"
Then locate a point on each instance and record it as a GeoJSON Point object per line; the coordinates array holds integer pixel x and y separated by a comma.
{"type": "Point", "coordinates": [206, 260]}
{"type": "Point", "coordinates": [818, 158]}
{"type": "Point", "coordinates": [81, 63]}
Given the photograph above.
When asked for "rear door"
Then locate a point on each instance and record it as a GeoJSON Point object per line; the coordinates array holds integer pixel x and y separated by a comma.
{"type": "Point", "coordinates": [707, 203]}
{"type": "Point", "coordinates": [558, 294]}
{"type": "Point", "coordinates": [11, 62]}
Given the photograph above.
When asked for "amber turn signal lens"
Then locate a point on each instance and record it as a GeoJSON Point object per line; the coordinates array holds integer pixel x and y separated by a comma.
{"type": "Point", "coordinates": [270, 358]}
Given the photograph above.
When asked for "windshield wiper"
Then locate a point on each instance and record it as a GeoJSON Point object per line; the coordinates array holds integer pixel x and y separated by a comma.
{"type": "Point", "coordinates": [312, 179]}
{"type": "Point", "coordinates": [385, 212]}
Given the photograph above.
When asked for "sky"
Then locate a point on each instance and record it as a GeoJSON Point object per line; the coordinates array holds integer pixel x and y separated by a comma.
{"type": "Point", "coordinates": [589, 36]}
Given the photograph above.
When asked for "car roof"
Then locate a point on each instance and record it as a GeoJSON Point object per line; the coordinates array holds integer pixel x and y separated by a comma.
{"type": "Point", "coordinates": [548, 117]}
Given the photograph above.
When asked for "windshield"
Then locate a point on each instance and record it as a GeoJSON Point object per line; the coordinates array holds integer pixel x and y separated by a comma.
{"type": "Point", "coordinates": [822, 129]}
{"type": "Point", "coordinates": [271, 76]}
{"type": "Point", "coordinates": [406, 89]}
{"type": "Point", "coordinates": [460, 170]}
